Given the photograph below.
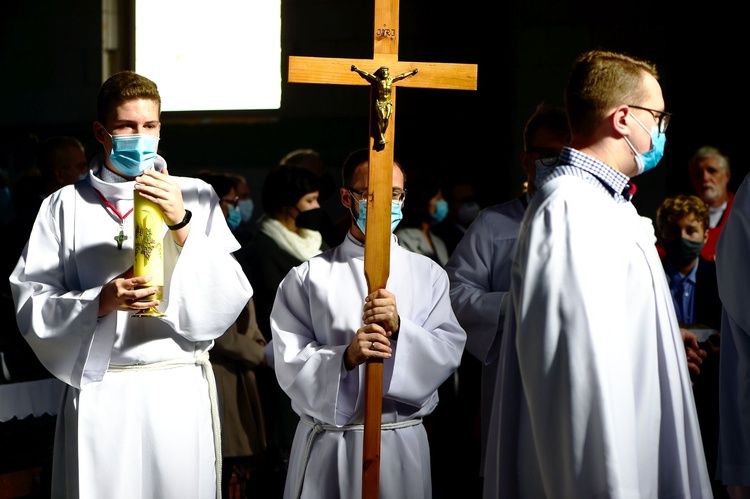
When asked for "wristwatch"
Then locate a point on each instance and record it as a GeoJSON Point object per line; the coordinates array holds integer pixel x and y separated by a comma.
{"type": "Point", "coordinates": [185, 221]}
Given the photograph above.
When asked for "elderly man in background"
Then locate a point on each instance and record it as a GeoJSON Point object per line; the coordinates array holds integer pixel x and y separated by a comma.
{"type": "Point", "coordinates": [710, 175]}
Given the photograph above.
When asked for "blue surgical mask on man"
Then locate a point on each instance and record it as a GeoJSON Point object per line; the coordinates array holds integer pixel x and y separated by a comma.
{"type": "Point", "coordinates": [133, 154]}
{"type": "Point", "coordinates": [649, 159]}
{"type": "Point", "coordinates": [441, 211]}
{"type": "Point", "coordinates": [396, 214]}
{"type": "Point", "coordinates": [234, 217]}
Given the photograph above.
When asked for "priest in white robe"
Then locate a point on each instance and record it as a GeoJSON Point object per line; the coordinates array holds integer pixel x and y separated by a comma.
{"type": "Point", "coordinates": [593, 397]}
{"type": "Point", "coordinates": [323, 332]}
{"type": "Point", "coordinates": [137, 418]}
{"type": "Point", "coordinates": [479, 268]}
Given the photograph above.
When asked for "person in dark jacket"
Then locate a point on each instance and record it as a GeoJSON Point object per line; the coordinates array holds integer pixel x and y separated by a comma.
{"type": "Point", "coordinates": [683, 228]}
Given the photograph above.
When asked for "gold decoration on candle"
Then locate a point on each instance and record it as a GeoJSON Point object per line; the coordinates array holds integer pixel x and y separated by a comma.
{"type": "Point", "coordinates": [148, 225]}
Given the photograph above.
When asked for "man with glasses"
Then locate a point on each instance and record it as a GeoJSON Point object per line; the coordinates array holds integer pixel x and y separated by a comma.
{"type": "Point", "coordinates": [479, 268]}
{"type": "Point", "coordinates": [593, 395]}
{"type": "Point", "coordinates": [325, 327]}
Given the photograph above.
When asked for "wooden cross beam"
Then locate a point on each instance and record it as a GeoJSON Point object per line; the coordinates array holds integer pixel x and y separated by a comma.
{"type": "Point", "coordinates": [377, 242]}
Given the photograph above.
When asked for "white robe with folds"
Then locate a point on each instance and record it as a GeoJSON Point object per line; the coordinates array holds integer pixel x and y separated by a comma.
{"type": "Point", "coordinates": [479, 272]}
{"type": "Point", "coordinates": [138, 433]}
{"type": "Point", "coordinates": [733, 276]}
{"type": "Point", "coordinates": [593, 395]}
{"type": "Point", "coordinates": [317, 311]}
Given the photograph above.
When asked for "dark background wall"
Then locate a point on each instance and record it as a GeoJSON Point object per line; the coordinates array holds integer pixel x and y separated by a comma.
{"type": "Point", "coordinates": [51, 67]}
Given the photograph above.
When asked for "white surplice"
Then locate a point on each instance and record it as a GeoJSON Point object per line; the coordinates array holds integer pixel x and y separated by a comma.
{"type": "Point", "coordinates": [317, 311]}
{"type": "Point", "coordinates": [479, 272]}
{"type": "Point", "coordinates": [593, 395]}
{"type": "Point", "coordinates": [128, 433]}
{"type": "Point", "coordinates": [733, 277]}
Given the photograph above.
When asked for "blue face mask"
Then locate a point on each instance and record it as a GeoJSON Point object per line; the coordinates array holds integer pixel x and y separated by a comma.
{"type": "Point", "coordinates": [133, 154]}
{"type": "Point", "coordinates": [649, 159]}
{"type": "Point", "coordinates": [234, 217]}
{"type": "Point", "coordinates": [396, 214]}
{"type": "Point", "coordinates": [246, 209]}
{"type": "Point", "coordinates": [441, 211]}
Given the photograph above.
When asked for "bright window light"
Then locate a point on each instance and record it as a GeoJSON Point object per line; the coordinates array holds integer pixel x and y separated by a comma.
{"type": "Point", "coordinates": [211, 56]}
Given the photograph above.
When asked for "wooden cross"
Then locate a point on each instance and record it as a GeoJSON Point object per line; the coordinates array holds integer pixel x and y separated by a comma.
{"type": "Point", "coordinates": [379, 191]}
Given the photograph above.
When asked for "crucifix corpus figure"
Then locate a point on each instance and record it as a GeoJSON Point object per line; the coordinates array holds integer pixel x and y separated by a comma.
{"type": "Point", "coordinates": [382, 81]}
{"type": "Point", "coordinates": [377, 244]}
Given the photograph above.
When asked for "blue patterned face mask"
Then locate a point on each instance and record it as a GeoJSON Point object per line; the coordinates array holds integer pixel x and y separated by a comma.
{"type": "Point", "coordinates": [234, 217]}
{"type": "Point", "coordinates": [396, 214]}
{"type": "Point", "coordinates": [133, 154]}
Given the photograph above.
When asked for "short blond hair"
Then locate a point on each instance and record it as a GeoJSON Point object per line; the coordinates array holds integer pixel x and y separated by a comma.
{"type": "Point", "coordinates": [601, 80]}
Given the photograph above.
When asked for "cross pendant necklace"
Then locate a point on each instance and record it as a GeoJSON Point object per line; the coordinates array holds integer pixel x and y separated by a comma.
{"type": "Point", "coordinates": [121, 237]}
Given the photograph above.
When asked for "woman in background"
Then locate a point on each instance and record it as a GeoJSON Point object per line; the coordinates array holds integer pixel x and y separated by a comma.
{"type": "Point", "coordinates": [426, 208]}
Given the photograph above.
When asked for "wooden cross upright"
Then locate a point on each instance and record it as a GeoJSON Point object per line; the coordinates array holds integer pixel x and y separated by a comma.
{"type": "Point", "coordinates": [377, 242]}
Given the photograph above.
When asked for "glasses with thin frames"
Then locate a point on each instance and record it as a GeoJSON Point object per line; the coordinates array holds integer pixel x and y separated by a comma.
{"type": "Point", "coordinates": [397, 195]}
{"type": "Point", "coordinates": [661, 117]}
{"type": "Point", "coordinates": [548, 157]}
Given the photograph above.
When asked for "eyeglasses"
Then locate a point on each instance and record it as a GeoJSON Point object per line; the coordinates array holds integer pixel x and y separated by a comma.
{"type": "Point", "coordinates": [548, 157]}
{"type": "Point", "coordinates": [233, 201]}
{"type": "Point", "coordinates": [661, 117]}
{"type": "Point", "coordinates": [397, 195]}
